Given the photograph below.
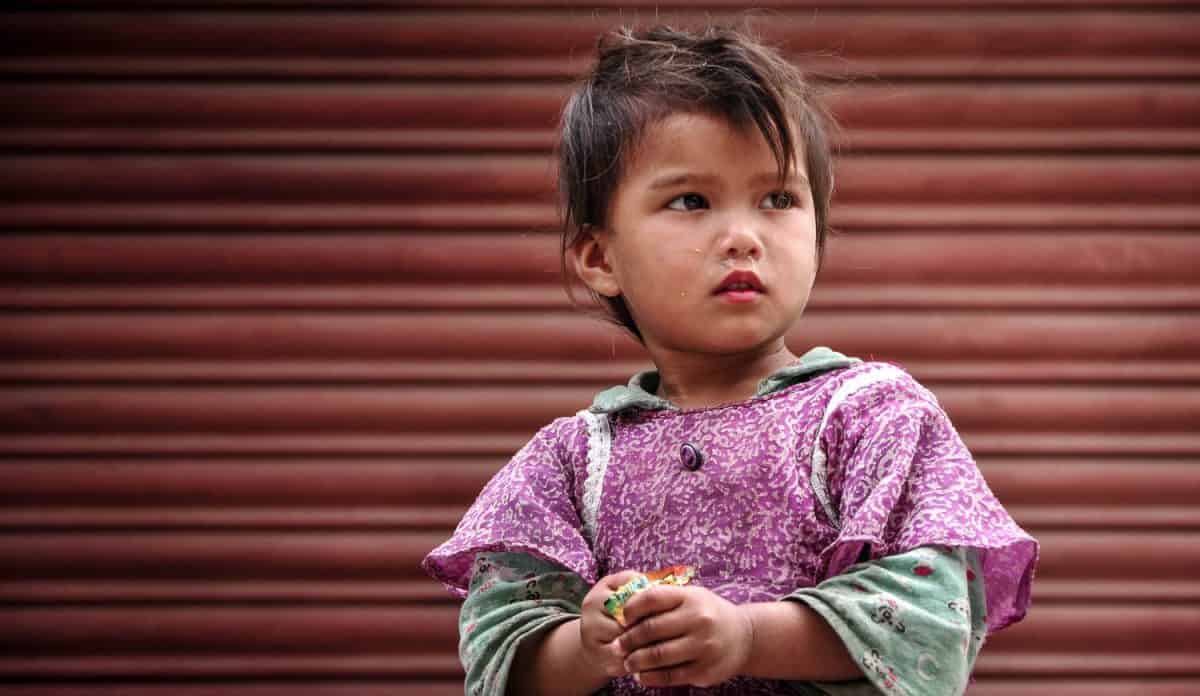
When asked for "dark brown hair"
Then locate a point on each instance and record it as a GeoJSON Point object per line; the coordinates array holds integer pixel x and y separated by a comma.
{"type": "Point", "coordinates": [641, 76]}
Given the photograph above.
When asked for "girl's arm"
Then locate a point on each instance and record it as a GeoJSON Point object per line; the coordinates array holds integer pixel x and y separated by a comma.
{"type": "Point", "coordinates": [519, 609]}
{"type": "Point", "coordinates": [691, 635]}
{"type": "Point", "coordinates": [578, 657]}
{"type": "Point", "coordinates": [530, 626]}
{"type": "Point", "coordinates": [793, 642]}
{"type": "Point", "coordinates": [552, 664]}
{"type": "Point", "coordinates": [909, 623]}
{"type": "Point", "coordinates": [912, 622]}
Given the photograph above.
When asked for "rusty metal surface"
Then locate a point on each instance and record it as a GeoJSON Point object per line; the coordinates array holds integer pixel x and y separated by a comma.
{"type": "Point", "coordinates": [279, 293]}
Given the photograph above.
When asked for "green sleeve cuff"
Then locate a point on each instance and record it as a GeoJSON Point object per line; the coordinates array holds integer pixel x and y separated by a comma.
{"type": "Point", "coordinates": [913, 622]}
{"type": "Point", "coordinates": [513, 597]}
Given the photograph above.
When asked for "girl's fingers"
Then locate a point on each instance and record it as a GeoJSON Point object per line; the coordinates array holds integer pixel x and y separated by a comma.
{"type": "Point", "coordinates": [613, 659]}
{"type": "Point", "coordinates": [676, 675]}
{"type": "Point", "coordinates": [666, 655]}
{"type": "Point", "coordinates": [607, 629]}
{"type": "Point", "coordinates": [655, 600]}
{"type": "Point", "coordinates": [612, 582]}
{"type": "Point", "coordinates": [653, 629]}
{"type": "Point", "coordinates": [607, 633]}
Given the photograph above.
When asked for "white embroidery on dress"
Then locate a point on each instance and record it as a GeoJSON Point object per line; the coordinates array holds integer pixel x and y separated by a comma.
{"type": "Point", "coordinates": [599, 452]}
{"type": "Point", "coordinates": [820, 477]}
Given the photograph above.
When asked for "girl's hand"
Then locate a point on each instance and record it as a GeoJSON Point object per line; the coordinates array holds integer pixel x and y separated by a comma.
{"type": "Point", "coordinates": [685, 635]}
{"type": "Point", "coordinates": [598, 631]}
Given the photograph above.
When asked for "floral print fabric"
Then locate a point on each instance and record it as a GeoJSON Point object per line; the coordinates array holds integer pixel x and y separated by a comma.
{"type": "Point", "coordinates": [904, 478]}
{"type": "Point", "coordinates": [513, 597]}
{"type": "Point", "coordinates": [531, 505]}
{"type": "Point", "coordinates": [913, 622]}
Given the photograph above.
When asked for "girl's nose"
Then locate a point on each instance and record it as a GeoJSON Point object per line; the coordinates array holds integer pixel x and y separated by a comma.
{"type": "Point", "coordinates": [741, 241]}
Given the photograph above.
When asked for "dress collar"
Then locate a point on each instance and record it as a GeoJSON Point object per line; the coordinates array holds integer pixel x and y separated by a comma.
{"type": "Point", "coordinates": [639, 393]}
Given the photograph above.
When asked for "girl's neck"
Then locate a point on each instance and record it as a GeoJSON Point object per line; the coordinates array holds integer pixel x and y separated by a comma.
{"type": "Point", "coordinates": [693, 381]}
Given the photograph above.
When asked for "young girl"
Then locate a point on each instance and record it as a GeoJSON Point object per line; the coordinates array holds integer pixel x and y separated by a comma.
{"type": "Point", "coordinates": [844, 540]}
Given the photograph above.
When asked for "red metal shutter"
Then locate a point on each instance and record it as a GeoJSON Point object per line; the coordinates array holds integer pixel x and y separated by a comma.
{"type": "Point", "coordinates": [280, 294]}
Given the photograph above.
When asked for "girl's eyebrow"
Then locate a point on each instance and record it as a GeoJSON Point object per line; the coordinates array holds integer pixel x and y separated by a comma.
{"type": "Point", "coordinates": [671, 179]}
{"type": "Point", "coordinates": [676, 178]}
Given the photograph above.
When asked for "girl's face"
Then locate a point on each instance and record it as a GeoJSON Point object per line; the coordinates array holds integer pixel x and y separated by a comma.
{"type": "Point", "coordinates": [710, 254]}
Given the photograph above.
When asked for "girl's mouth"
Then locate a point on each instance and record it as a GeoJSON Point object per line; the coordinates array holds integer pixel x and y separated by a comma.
{"type": "Point", "coordinates": [740, 286]}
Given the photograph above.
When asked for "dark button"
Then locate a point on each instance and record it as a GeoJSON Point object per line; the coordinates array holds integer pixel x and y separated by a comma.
{"type": "Point", "coordinates": [691, 456]}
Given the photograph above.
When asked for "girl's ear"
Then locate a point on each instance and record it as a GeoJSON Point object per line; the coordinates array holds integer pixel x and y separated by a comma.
{"type": "Point", "coordinates": [591, 258]}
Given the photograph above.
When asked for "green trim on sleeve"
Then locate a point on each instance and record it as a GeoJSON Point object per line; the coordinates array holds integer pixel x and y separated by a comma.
{"type": "Point", "coordinates": [512, 597]}
{"type": "Point", "coordinates": [913, 622]}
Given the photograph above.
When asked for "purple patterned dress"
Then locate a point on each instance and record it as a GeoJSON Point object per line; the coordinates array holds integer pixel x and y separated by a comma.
{"type": "Point", "coordinates": [764, 496]}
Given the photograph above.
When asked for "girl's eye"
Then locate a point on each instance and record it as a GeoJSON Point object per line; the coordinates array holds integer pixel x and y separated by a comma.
{"type": "Point", "coordinates": [779, 200]}
{"type": "Point", "coordinates": [688, 201]}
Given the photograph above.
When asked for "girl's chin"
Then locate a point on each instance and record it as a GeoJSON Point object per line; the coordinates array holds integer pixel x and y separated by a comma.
{"type": "Point", "coordinates": [730, 344]}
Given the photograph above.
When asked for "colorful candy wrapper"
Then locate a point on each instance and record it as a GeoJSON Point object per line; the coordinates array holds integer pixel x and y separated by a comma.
{"type": "Point", "coordinates": [671, 575]}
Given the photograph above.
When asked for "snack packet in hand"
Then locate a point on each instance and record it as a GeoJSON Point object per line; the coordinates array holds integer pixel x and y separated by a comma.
{"type": "Point", "coordinates": [671, 575]}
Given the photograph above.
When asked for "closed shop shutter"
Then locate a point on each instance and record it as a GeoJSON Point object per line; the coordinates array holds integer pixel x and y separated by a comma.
{"type": "Point", "coordinates": [280, 293]}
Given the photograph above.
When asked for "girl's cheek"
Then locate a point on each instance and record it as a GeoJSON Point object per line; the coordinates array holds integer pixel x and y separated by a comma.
{"type": "Point", "coordinates": [662, 259]}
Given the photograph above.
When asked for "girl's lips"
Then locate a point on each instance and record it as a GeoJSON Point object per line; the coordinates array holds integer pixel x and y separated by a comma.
{"type": "Point", "coordinates": [740, 281]}
{"type": "Point", "coordinates": [739, 296]}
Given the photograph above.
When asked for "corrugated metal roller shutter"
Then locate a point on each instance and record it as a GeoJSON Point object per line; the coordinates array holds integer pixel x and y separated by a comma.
{"type": "Point", "coordinates": [279, 297]}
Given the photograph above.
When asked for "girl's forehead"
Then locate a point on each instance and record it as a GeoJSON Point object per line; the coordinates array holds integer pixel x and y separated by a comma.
{"type": "Point", "coordinates": [685, 130]}
{"type": "Point", "coordinates": [688, 140]}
